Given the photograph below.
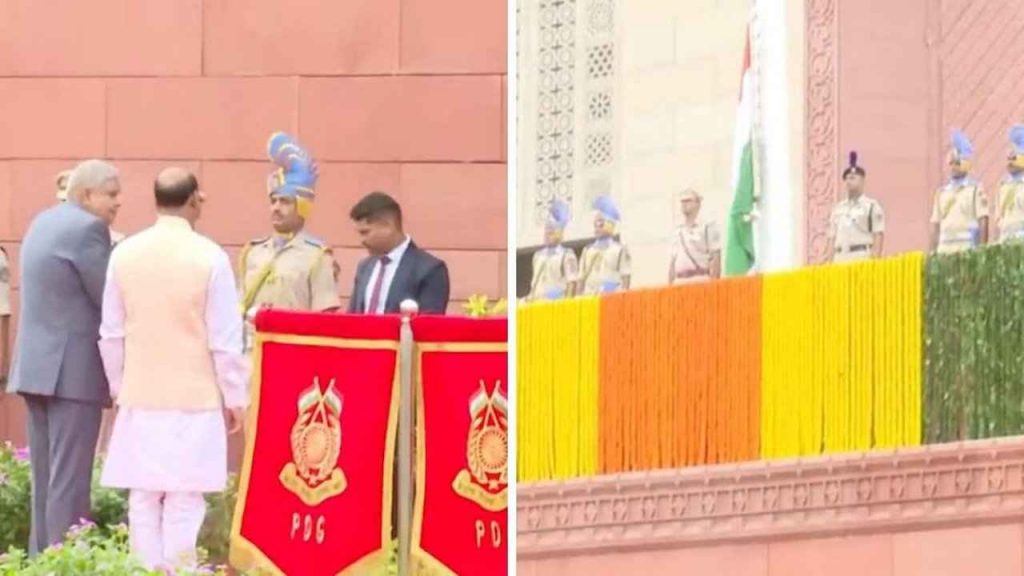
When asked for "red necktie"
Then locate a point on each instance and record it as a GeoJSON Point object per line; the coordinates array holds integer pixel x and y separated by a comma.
{"type": "Point", "coordinates": [377, 286]}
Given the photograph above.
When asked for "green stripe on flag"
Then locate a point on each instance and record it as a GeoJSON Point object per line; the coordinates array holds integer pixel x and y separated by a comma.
{"type": "Point", "coordinates": [332, 399]}
{"type": "Point", "coordinates": [309, 397]}
{"type": "Point", "coordinates": [478, 402]}
{"type": "Point", "coordinates": [739, 245]}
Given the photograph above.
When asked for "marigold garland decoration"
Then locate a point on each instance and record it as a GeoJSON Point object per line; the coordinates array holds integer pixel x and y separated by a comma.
{"type": "Point", "coordinates": [843, 358]}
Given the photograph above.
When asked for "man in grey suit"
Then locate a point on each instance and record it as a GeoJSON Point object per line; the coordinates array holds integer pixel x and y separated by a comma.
{"type": "Point", "coordinates": [396, 269]}
{"type": "Point", "coordinates": [57, 367]}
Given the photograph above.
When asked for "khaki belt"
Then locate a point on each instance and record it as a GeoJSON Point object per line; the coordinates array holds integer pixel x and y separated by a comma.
{"type": "Point", "coordinates": [691, 274]}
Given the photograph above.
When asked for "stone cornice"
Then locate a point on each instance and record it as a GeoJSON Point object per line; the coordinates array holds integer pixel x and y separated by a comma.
{"type": "Point", "coordinates": [928, 487]}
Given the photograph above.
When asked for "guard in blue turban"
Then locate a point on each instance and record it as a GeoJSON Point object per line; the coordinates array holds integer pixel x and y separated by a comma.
{"type": "Point", "coordinates": [1010, 218]}
{"type": "Point", "coordinates": [960, 208]}
{"type": "Point", "coordinates": [607, 265]}
{"type": "Point", "coordinates": [289, 269]}
{"type": "Point", "coordinates": [555, 266]}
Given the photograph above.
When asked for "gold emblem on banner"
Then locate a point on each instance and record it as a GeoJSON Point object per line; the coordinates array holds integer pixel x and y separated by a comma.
{"type": "Point", "coordinates": [313, 475]}
{"type": "Point", "coordinates": [486, 480]}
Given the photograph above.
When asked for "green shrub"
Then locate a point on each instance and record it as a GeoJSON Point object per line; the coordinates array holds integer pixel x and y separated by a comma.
{"type": "Point", "coordinates": [88, 550]}
{"type": "Point", "coordinates": [100, 545]}
{"type": "Point", "coordinates": [15, 497]}
{"type": "Point", "coordinates": [109, 506]}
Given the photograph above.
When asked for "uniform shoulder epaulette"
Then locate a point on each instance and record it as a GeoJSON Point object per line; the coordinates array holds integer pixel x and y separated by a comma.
{"type": "Point", "coordinates": [243, 256]}
{"type": "Point", "coordinates": [313, 241]}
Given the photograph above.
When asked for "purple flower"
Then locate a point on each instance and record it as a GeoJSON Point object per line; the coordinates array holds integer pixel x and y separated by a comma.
{"type": "Point", "coordinates": [83, 526]}
{"type": "Point", "coordinates": [21, 454]}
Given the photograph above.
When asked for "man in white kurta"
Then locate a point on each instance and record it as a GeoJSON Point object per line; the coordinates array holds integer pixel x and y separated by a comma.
{"type": "Point", "coordinates": [171, 340]}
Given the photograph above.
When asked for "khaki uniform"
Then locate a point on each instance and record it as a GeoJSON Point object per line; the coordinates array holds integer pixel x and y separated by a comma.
{"type": "Point", "coordinates": [5, 284]}
{"type": "Point", "coordinates": [1011, 210]}
{"type": "Point", "coordinates": [853, 225]}
{"type": "Point", "coordinates": [692, 249]}
{"type": "Point", "coordinates": [302, 275]}
{"type": "Point", "coordinates": [957, 208]}
{"type": "Point", "coordinates": [4, 306]}
{"type": "Point", "coordinates": [604, 266]}
{"type": "Point", "coordinates": [554, 268]}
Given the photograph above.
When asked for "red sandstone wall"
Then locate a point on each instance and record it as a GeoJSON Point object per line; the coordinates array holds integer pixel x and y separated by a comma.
{"type": "Point", "coordinates": [994, 550]}
{"type": "Point", "coordinates": [407, 96]}
{"type": "Point", "coordinates": [884, 111]}
{"type": "Point", "coordinates": [940, 510]}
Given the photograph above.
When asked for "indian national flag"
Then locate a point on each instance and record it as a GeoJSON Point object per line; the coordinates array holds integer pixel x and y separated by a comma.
{"type": "Point", "coordinates": [739, 245]}
{"type": "Point", "coordinates": [333, 400]}
{"type": "Point", "coordinates": [309, 397]}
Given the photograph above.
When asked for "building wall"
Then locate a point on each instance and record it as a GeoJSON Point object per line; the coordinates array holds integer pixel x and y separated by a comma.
{"type": "Point", "coordinates": [938, 510]}
{"type": "Point", "coordinates": [908, 74]}
{"type": "Point", "coordinates": [882, 111]}
{"type": "Point", "coordinates": [988, 549]}
{"type": "Point", "coordinates": [681, 82]}
{"type": "Point", "coordinates": [405, 96]}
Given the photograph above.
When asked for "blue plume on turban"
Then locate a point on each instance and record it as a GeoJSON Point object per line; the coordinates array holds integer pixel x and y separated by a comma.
{"type": "Point", "coordinates": [558, 214]}
{"type": "Point", "coordinates": [605, 206]}
{"type": "Point", "coordinates": [1017, 138]}
{"type": "Point", "coordinates": [297, 173]}
{"type": "Point", "coordinates": [962, 145]}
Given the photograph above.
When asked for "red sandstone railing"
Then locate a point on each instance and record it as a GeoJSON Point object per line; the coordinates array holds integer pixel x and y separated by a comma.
{"type": "Point", "coordinates": [928, 487]}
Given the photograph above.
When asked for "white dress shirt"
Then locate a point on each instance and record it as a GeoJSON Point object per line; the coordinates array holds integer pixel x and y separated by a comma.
{"type": "Point", "coordinates": [394, 258]}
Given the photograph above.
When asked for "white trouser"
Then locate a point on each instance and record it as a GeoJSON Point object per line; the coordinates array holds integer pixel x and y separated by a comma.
{"type": "Point", "coordinates": [163, 527]}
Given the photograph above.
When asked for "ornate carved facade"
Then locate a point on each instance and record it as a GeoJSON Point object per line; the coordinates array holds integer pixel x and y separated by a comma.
{"type": "Point", "coordinates": [821, 125]}
{"type": "Point", "coordinates": [935, 486]}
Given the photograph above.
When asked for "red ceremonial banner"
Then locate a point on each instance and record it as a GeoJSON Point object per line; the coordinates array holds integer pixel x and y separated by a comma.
{"type": "Point", "coordinates": [315, 493]}
{"type": "Point", "coordinates": [460, 520]}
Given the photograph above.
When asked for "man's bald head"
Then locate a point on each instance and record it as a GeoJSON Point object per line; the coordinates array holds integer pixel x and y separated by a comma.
{"type": "Point", "coordinates": [174, 187]}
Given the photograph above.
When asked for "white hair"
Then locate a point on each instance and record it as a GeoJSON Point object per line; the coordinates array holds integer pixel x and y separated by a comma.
{"type": "Point", "coordinates": [89, 175]}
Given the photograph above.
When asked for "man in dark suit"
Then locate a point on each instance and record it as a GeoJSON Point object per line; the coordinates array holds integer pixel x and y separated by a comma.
{"type": "Point", "coordinates": [396, 269]}
{"type": "Point", "coordinates": [57, 367]}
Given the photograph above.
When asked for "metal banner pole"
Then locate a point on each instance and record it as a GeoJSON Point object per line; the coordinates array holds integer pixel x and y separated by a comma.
{"type": "Point", "coordinates": [409, 309]}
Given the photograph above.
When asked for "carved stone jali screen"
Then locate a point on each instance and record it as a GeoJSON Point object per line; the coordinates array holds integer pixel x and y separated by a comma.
{"type": "Point", "coordinates": [568, 66]}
